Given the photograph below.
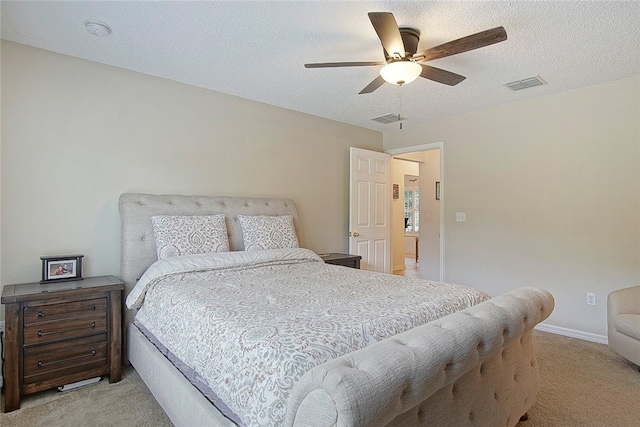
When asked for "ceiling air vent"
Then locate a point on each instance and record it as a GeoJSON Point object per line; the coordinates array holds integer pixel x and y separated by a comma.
{"type": "Point", "coordinates": [526, 83]}
{"type": "Point", "coordinates": [388, 118]}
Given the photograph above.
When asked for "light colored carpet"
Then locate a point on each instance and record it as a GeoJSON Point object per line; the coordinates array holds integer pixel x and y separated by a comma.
{"type": "Point", "coordinates": [582, 384]}
{"type": "Point", "coordinates": [125, 403]}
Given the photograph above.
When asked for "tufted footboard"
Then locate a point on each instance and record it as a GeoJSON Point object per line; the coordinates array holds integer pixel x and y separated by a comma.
{"type": "Point", "coordinates": [474, 367]}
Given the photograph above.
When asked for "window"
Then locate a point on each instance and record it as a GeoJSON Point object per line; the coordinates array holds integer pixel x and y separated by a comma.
{"type": "Point", "coordinates": [411, 210]}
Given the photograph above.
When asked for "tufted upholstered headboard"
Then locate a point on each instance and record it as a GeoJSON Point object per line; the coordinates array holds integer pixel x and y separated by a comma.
{"type": "Point", "coordinates": [137, 245]}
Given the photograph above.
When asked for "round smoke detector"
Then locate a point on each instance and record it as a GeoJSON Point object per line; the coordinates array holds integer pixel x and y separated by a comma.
{"type": "Point", "coordinates": [97, 28]}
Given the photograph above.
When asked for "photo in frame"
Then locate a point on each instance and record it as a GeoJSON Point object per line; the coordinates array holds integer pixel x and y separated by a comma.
{"type": "Point", "coordinates": [61, 268]}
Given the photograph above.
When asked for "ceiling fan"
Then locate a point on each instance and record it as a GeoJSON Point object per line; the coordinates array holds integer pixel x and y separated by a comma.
{"type": "Point", "coordinates": [403, 63]}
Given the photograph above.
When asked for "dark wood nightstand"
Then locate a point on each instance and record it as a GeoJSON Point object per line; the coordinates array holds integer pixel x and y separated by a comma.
{"type": "Point", "coordinates": [60, 333]}
{"type": "Point", "coordinates": [347, 260]}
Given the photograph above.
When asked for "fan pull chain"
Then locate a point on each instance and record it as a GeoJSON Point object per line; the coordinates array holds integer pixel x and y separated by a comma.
{"type": "Point", "coordinates": [400, 105]}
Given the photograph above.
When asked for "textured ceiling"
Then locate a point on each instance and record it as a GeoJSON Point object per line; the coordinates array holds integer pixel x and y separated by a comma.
{"type": "Point", "coordinates": [256, 50]}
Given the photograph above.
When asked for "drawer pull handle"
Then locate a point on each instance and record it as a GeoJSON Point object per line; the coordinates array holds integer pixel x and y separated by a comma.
{"type": "Point", "coordinates": [41, 314]}
{"type": "Point", "coordinates": [42, 334]}
{"type": "Point", "coordinates": [42, 364]}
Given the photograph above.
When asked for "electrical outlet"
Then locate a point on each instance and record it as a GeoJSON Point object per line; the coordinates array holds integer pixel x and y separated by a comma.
{"type": "Point", "coordinates": [591, 298]}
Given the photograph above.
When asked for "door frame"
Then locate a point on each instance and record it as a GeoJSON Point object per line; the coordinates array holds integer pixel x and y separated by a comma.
{"type": "Point", "coordinates": [429, 147]}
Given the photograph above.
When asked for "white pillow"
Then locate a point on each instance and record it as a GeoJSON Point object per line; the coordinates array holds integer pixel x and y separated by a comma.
{"type": "Point", "coordinates": [182, 235]}
{"type": "Point", "coordinates": [268, 232]}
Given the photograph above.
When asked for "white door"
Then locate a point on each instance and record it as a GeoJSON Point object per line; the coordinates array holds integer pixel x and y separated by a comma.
{"type": "Point", "coordinates": [370, 209]}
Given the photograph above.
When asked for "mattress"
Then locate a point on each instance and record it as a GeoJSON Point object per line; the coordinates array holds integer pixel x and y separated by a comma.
{"type": "Point", "coordinates": [250, 324]}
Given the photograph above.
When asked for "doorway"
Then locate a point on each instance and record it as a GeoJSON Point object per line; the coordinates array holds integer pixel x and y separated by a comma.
{"type": "Point", "coordinates": [430, 227]}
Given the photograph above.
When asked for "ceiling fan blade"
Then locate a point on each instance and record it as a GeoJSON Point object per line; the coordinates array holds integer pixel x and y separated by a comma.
{"type": "Point", "coordinates": [474, 41]}
{"type": "Point", "coordinates": [387, 29]}
{"type": "Point", "coordinates": [440, 76]}
{"type": "Point", "coordinates": [379, 81]}
{"type": "Point", "coordinates": [343, 64]}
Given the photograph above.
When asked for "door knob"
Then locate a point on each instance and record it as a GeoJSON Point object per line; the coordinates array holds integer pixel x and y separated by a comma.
{"type": "Point", "coordinates": [355, 234]}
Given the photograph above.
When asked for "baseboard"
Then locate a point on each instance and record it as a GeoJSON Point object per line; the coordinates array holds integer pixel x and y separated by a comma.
{"type": "Point", "coordinates": [399, 269]}
{"type": "Point", "coordinates": [586, 336]}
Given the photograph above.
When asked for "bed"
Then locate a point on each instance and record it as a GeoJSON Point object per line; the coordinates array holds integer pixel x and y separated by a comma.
{"type": "Point", "coordinates": [469, 363]}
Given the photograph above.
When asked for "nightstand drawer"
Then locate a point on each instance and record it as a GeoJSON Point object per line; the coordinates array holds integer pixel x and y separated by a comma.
{"type": "Point", "coordinates": [70, 357]}
{"type": "Point", "coordinates": [42, 313]}
{"type": "Point", "coordinates": [42, 332]}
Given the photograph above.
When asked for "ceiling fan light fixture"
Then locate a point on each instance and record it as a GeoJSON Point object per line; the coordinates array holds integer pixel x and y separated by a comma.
{"type": "Point", "coordinates": [400, 72]}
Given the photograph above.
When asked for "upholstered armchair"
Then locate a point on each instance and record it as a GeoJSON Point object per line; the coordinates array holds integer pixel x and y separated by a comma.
{"type": "Point", "coordinates": [623, 318]}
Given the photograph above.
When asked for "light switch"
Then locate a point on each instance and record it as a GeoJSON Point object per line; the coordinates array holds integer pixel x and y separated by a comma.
{"type": "Point", "coordinates": [461, 217]}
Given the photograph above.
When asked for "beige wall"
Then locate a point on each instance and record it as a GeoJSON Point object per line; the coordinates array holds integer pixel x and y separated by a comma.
{"type": "Point", "coordinates": [77, 134]}
{"type": "Point", "coordinates": [550, 186]}
{"type": "Point", "coordinates": [551, 191]}
{"type": "Point", "coordinates": [429, 253]}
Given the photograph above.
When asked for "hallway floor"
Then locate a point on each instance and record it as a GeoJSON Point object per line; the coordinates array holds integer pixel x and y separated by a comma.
{"type": "Point", "coordinates": [412, 266]}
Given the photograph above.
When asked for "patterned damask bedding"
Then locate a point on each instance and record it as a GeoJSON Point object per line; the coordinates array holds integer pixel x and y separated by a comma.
{"type": "Point", "coordinates": [252, 323]}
